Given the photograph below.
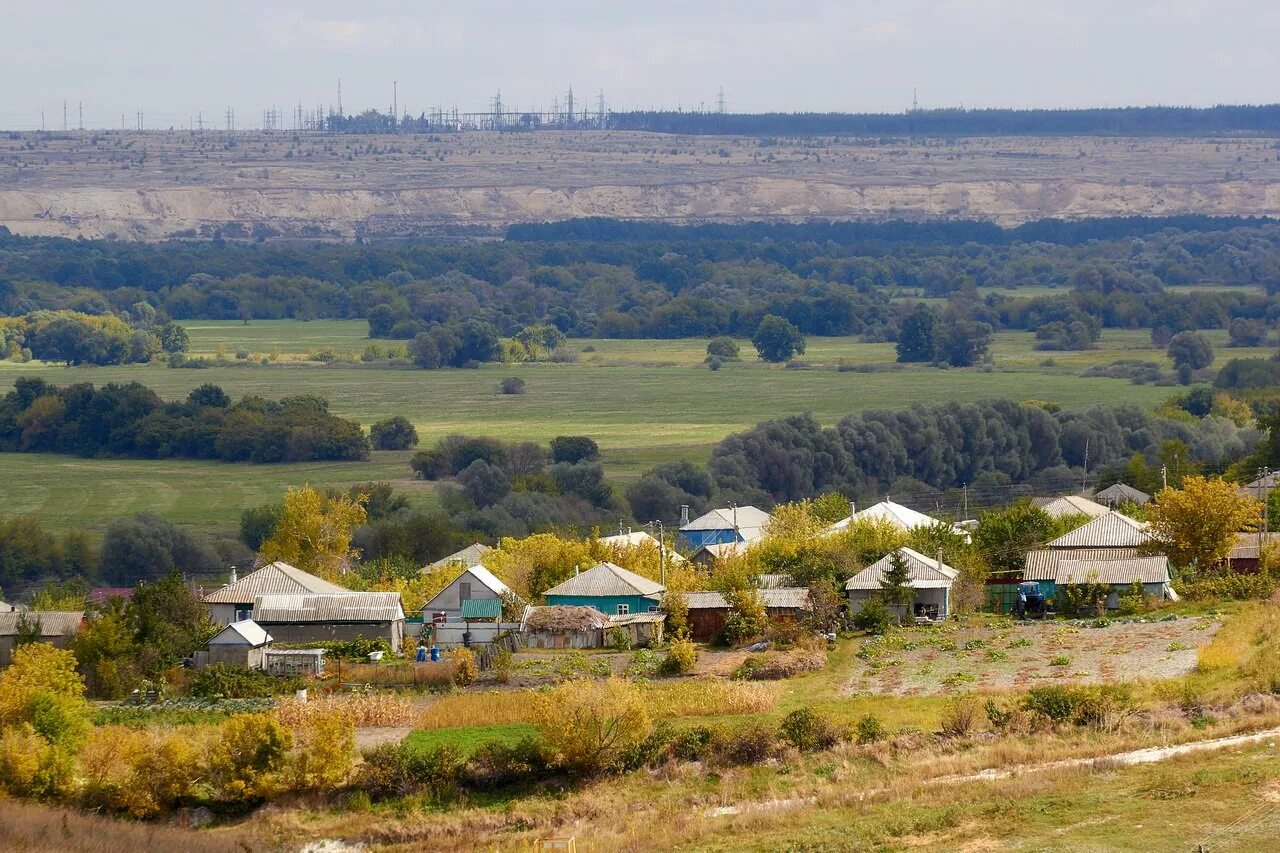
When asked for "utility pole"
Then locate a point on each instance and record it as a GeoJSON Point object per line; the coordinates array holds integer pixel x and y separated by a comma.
{"type": "Point", "coordinates": [966, 500]}
{"type": "Point", "coordinates": [81, 105]}
{"type": "Point", "coordinates": [1164, 475]}
{"type": "Point", "coordinates": [340, 96]}
{"type": "Point", "coordinates": [1084, 478]}
{"type": "Point", "coordinates": [395, 103]}
{"type": "Point", "coordinates": [64, 115]}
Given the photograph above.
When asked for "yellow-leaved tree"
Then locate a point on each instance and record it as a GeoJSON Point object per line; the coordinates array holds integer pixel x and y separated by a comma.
{"type": "Point", "coordinates": [1197, 524]}
{"type": "Point", "coordinates": [532, 565]}
{"type": "Point", "coordinates": [313, 531]}
{"type": "Point", "coordinates": [589, 725]}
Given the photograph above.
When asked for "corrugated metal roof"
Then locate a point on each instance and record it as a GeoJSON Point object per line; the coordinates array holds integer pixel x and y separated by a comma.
{"type": "Point", "coordinates": [1246, 545]}
{"type": "Point", "coordinates": [637, 618]}
{"type": "Point", "coordinates": [53, 623]}
{"type": "Point", "coordinates": [773, 581]}
{"type": "Point", "coordinates": [1042, 565]}
{"type": "Point", "coordinates": [332, 607]}
{"type": "Point", "coordinates": [272, 579]}
{"type": "Point", "coordinates": [467, 557]}
{"type": "Point", "coordinates": [244, 632]}
{"type": "Point", "coordinates": [791, 598]}
{"type": "Point", "coordinates": [638, 539]}
{"type": "Point", "coordinates": [490, 581]}
{"type": "Point", "coordinates": [481, 608]}
{"type": "Point", "coordinates": [1121, 492]}
{"type": "Point", "coordinates": [719, 550]}
{"type": "Point", "coordinates": [1113, 530]}
{"type": "Point", "coordinates": [1140, 569]}
{"type": "Point", "coordinates": [607, 579]}
{"type": "Point", "coordinates": [1073, 505]}
{"type": "Point", "coordinates": [901, 517]}
{"type": "Point", "coordinates": [751, 521]}
{"type": "Point", "coordinates": [925, 572]}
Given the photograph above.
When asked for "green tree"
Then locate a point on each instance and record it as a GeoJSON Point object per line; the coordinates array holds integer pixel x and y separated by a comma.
{"type": "Point", "coordinates": [724, 348]}
{"type": "Point", "coordinates": [777, 340]}
{"type": "Point", "coordinates": [1196, 525]}
{"type": "Point", "coordinates": [915, 337]}
{"type": "Point", "coordinates": [1190, 350]}
{"type": "Point", "coordinates": [963, 342]}
{"type": "Point", "coordinates": [394, 433]}
{"type": "Point", "coordinates": [1006, 535]}
{"type": "Point", "coordinates": [895, 583]}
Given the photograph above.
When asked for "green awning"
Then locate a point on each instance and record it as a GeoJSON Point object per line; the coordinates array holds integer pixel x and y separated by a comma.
{"type": "Point", "coordinates": [481, 608]}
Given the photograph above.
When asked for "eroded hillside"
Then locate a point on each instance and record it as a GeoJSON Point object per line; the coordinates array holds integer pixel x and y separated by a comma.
{"type": "Point", "coordinates": [177, 184]}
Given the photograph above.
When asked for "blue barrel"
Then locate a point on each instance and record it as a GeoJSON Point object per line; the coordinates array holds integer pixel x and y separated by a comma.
{"type": "Point", "coordinates": [422, 654]}
{"type": "Point", "coordinates": [435, 654]}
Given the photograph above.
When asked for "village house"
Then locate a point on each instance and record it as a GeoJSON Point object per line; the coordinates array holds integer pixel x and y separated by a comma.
{"type": "Point", "coordinates": [708, 555]}
{"type": "Point", "coordinates": [1069, 505]}
{"type": "Point", "coordinates": [1152, 573]}
{"type": "Point", "coordinates": [235, 601]}
{"type": "Point", "coordinates": [1112, 538]}
{"type": "Point", "coordinates": [472, 555]}
{"type": "Point", "coordinates": [708, 610]}
{"type": "Point", "coordinates": [610, 589]}
{"type": "Point", "coordinates": [729, 524]}
{"type": "Point", "coordinates": [55, 627]}
{"type": "Point", "coordinates": [474, 583]}
{"type": "Point", "coordinates": [1247, 550]}
{"type": "Point", "coordinates": [564, 627]}
{"type": "Point", "coordinates": [636, 539]}
{"type": "Point", "coordinates": [1120, 493]}
{"type": "Point", "coordinates": [310, 618]}
{"type": "Point", "coordinates": [902, 517]}
{"type": "Point", "coordinates": [242, 643]}
{"type": "Point", "coordinates": [932, 581]}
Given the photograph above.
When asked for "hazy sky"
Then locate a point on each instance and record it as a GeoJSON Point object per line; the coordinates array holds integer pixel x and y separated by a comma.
{"type": "Point", "coordinates": [172, 58]}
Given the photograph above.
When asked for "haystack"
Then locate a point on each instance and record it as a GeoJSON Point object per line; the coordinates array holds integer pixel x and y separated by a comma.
{"type": "Point", "coordinates": [564, 619]}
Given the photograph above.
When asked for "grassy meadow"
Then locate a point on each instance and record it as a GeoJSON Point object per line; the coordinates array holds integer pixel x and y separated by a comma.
{"type": "Point", "coordinates": [644, 401]}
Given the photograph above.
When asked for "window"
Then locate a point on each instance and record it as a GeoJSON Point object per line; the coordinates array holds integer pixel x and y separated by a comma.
{"type": "Point", "coordinates": [653, 608]}
{"type": "Point", "coordinates": [243, 613]}
{"type": "Point", "coordinates": [624, 609]}
{"type": "Point", "coordinates": [464, 591]}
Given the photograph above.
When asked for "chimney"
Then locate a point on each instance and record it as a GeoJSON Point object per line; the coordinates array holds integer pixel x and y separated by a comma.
{"type": "Point", "coordinates": [853, 510]}
{"type": "Point", "coordinates": [233, 575]}
{"type": "Point", "coordinates": [684, 514]}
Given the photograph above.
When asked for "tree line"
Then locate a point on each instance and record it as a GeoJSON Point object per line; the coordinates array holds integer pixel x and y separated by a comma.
{"type": "Point", "coordinates": [130, 420]}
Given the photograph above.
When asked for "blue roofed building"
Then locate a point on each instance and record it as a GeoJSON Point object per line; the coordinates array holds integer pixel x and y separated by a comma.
{"type": "Point", "coordinates": [744, 524]}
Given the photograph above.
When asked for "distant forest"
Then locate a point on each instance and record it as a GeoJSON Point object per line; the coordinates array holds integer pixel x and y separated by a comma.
{"type": "Point", "coordinates": [604, 278]}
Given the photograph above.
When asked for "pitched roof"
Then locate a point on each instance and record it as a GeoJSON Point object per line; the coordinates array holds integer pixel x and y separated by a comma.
{"type": "Point", "coordinates": [1140, 569]}
{"type": "Point", "coordinates": [607, 579]}
{"type": "Point", "coordinates": [787, 598]}
{"type": "Point", "coordinates": [244, 632]}
{"type": "Point", "coordinates": [1246, 545]}
{"type": "Point", "coordinates": [1042, 565]}
{"type": "Point", "coordinates": [53, 623]}
{"type": "Point", "coordinates": [1121, 492]}
{"type": "Point", "coordinates": [925, 573]}
{"type": "Point", "coordinates": [1263, 484]}
{"type": "Point", "coordinates": [329, 607]}
{"type": "Point", "coordinates": [638, 539]}
{"type": "Point", "coordinates": [772, 581]}
{"type": "Point", "coordinates": [1112, 530]}
{"type": "Point", "coordinates": [902, 517]}
{"type": "Point", "coordinates": [272, 579]}
{"type": "Point", "coordinates": [467, 557]}
{"type": "Point", "coordinates": [1073, 505]}
{"type": "Point", "coordinates": [563, 618]}
{"type": "Point", "coordinates": [637, 618]}
{"type": "Point", "coordinates": [490, 581]}
{"type": "Point", "coordinates": [720, 549]}
{"type": "Point", "coordinates": [751, 522]}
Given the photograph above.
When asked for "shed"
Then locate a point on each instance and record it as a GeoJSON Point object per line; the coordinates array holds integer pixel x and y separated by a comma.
{"type": "Point", "coordinates": [1071, 505]}
{"type": "Point", "coordinates": [1119, 575]}
{"type": "Point", "coordinates": [308, 663]}
{"type": "Point", "coordinates": [1119, 493]}
{"type": "Point", "coordinates": [728, 524]}
{"type": "Point", "coordinates": [930, 579]}
{"type": "Point", "coordinates": [902, 517]}
{"type": "Point", "coordinates": [707, 610]}
{"type": "Point", "coordinates": [243, 643]}
{"type": "Point", "coordinates": [637, 539]}
{"type": "Point", "coordinates": [708, 555]}
{"type": "Point", "coordinates": [1246, 552]}
{"type": "Point", "coordinates": [56, 627]}
{"type": "Point", "coordinates": [332, 616]}
{"type": "Point", "coordinates": [234, 602]}
{"type": "Point", "coordinates": [564, 627]}
{"type": "Point", "coordinates": [610, 589]}
{"type": "Point", "coordinates": [475, 583]}
{"type": "Point", "coordinates": [643, 629]}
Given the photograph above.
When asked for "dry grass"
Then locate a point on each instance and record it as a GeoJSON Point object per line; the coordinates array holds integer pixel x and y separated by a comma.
{"type": "Point", "coordinates": [490, 708]}
{"type": "Point", "coordinates": [399, 674]}
{"type": "Point", "coordinates": [710, 697]}
{"type": "Point", "coordinates": [42, 829]}
{"type": "Point", "coordinates": [370, 709]}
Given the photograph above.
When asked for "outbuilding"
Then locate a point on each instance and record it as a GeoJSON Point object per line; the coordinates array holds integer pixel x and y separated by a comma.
{"type": "Point", "coordinates": [243, 643]}
{"type": "Point", "coordinates": [332, 616]}
{"type": "Point", "coordinates": [1152, 573]}
{"type": "Point", "coordinates": [708, 610]}
{"type": "Point", "coordinates": [475, 583]}
{"type": "Point", "coordinates": [931, 580]}
{"type": "Point", "coordinates": [306, 663]}
{"type": "Point", "coordinates": [564, 627]}
{"type": "Point", "coordinates": [55, 627]}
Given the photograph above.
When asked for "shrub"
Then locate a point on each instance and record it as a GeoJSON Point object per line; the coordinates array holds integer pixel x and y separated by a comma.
{"type": "Point", "coordinates": [809, 731]}
{"type": "Point", "coordinates": [588, 726]}
{"type": "Point", "coordinates": [464, 666]}
{"type": "Point", "coordinates": [958, 716]}
{"type": "Point", "coordinates": [722, 348]}
{"type": "Point", "coordinates": [776, 665]}
{"type": "Point", "coordinates": [1228, 585]}
{"type": "Point", "coordinates": [746, 618]}
{"type": "Point", "coordinates": [140, 774]}
{"type": "Point", "coordinates": [998, 717]}
{"type": "Point", "coordinates": [873, 617]}
{"type": "Point", "coordinates": [1104, 706]}
{"type": "Point", "coordinates": [511, 385]}
{"type": "Point", "coordinates": [503, 664]}
{"type": "Point", "coordinates": [222, 680]}
{"type": "Point", "coordinates": [395, 433]}
{"type": "Point", "coordinates": [30, 766]}
{"type": "Point", "coordinates": [869, 729]}
{"type": "Point", "coordinates": [395, 770]}
{"type": "Point", "coordinates": [326, 750]}
{"type": "Point", "coordinates": [620, 639]}
{"type": "Point", "coordinates": [496, 764]}
{"type": "Point", "coordinates": [249, 757]}
{"type": "Point", "coordinates": [714, 363]}
{"type": "Point", "coordinates": [681, 659]}
{"type": "Point", "coordinates": [691, 744]}
{"type": "Point", "coordinates": [1054, 702]}
{"type": "Point", "coordinates": [749, 744]}
{"type": "Point", "coordinates": [1059, 660]}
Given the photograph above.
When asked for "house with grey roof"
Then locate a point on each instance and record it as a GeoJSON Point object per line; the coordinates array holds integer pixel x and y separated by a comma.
{"type": "Point", "coordinates": [1119, 493]}
{"type": "Point", "coordinates": [243, 643]}
{"type": "Point", "coordinates": [728, 524]}
{"type": "Point", "coordinates": [932, 581]}
{"type": "Point", "coordinates": [472, 555]}
{"type": "Point", "coordinates": [1119, 576]}
{"type": "Point", "coordinates": [610, 589]}
{"type": "Point", "coordinates": [1112, 545]}
{"type": "Point", "coordinates": [55, 627]}
{"type": "Point", "coordinates": [319, 617]}
{"type": "Point", "coordinates": [475, 583]}
{"type": "Point", "coordinates": [235, 601]}
{"type": "Point", "coordinates": [1069, 505]}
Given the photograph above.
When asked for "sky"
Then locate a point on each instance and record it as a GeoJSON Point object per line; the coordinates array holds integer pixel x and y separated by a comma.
{"type": "Point", "coordinates": [173, 59]}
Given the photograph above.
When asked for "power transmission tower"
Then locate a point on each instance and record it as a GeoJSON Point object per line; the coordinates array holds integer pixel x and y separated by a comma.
{"type": "Point", "coordinates": [395, 103]}
{"type": "Point", "coordinates": [720, 101]}
{"type": "Point", "coordinates": [64, 115]}
{"type": "Point", "coordinates": [81, 106]}
{"type": "Point", "coordinates": [200, 120]}
{"type": "Point", "coordinates": [569, 116]}
{"type": "Point", "coordinates": [600, 108]}
{"type": "Point", "coordinates": [340, 97]}
{"type": "Point", "coordinates": [231, 120]}
{"type": "Point", "coordinates": [140, 122]}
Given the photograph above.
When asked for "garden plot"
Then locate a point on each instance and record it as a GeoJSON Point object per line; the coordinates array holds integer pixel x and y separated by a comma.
{"type": "Point", "coordinates": [994, 655]}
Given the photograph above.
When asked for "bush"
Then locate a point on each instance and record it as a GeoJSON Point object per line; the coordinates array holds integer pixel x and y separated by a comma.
{"type": "Point", "coordinates": [1053, 702]}
{"type": "Point", "coordinates": [869, 729]}
{"type": "Point", "coordinates": [394, 770]}
{"type": "Point", "coordinates": [873, 617]}
{"type": "Point", "coordinates": [503, 664]}
{"type": "Point", "coordinates": [464, 666]}
{"type": "Point", "coordinates": [749, 744]}
{"type": "Point", "coordinates": [511, 385]}
{"type": "Point", "coordinates": [395, 433]}
{"type": "Point", "coordinates": [714, 363]}
{"type": "Point", "coordinates": [1228, 585]}
{"type": "Point", "coordinates": [691, 744]}
{"type": "Point", "coordinates": [574, 448]}
{"type": "Point", "coordinates": [620, 639]}
{"type": "Point", "coordinates": [958, 716]}
{"type": "Point", "coordinates": [497, 764]}
{"type": "Point", "coordinates": [249, 758]}
{"type": "Point", "coordinates": [681, 659]}
{"type": "Point", "coordinates": [326, 750]}
{"type": "Point", "coordinates": [589, 726]}
{"type": "Point", "coordinates": [722, 348]}
{"type": "Point", "coordinates": [220, 680]}
{"type": "Point", "coordinates": [809, 731]}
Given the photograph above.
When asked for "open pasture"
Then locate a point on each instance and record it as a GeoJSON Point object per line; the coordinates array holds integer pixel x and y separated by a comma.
{"type": "Point", "coordinates": [644, 401]}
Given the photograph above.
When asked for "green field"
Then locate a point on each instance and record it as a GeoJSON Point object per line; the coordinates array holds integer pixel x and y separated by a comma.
{"type": "Point", "coordinates": [643, 401]}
